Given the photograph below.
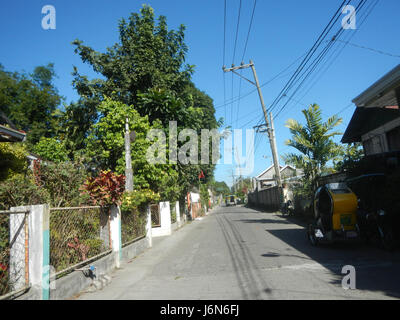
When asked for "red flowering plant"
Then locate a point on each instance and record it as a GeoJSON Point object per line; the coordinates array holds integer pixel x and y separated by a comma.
{"type": "Point", "coordinates": [106, 189]}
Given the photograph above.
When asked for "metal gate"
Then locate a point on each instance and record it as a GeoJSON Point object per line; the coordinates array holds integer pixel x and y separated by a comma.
{"type": "Point", "coordinates": [14, 253]}
{"type": "Point", "coordinates": [155, 215]}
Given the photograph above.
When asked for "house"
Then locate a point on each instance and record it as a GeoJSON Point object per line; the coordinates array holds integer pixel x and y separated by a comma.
{"type": "Point", "coordinates": [8, 132]}
{"type": "Point", "coordinates": [376, 120]}
{"type": "Point", "coordinates": [266, 179]}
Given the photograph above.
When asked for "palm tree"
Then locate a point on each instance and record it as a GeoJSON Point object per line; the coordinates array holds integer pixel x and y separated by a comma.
{"type": "Point", "coordinates": [314, 141]}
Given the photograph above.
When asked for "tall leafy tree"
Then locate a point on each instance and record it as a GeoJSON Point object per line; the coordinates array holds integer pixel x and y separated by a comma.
{"type": "Point", "coordinates": [146, 71]}
{"type": "Point", "coordinates": [314, 142]}
{"type": "Point", "coordinates": [147, 56]}
{"type": "Point", "coordinates": [31, 101]}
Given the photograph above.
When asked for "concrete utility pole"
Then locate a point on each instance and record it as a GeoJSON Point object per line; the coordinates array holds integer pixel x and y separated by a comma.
{"type": "Point", "coordinates": [270, 130]}
{"type": "Point", "coordinates": [128, 159]}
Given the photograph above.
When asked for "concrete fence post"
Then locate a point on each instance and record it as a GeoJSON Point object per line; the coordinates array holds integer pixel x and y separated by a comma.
{"type": "Point", "coordinates": [178, 213]}
{"type": "Point", "coordinates": [148, 228]}
{"type": "Point", "coordinates": [165, 219]}
{"type": "Point", "coordinates": [39, 248]}
{"type": "Point", "coordinates": [115, 233]}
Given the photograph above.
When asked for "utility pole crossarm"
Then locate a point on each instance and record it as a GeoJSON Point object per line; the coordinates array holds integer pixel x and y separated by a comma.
{"type": "Point", "coordinates": [242, 66]}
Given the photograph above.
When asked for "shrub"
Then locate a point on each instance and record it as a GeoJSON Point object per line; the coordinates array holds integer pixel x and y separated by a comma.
{"type": "Point", "coordinates": [12, 159]}
{"type": "Point", "coordinates": [133, 200]}
{"type": "Point", "coordinates": [106, 189]}
{"type": "Point", "coordinates": [62, 181]}
{"type": "Point", "coordinates": [51, 149]}
{"type": "Point", "coordinates": [21, 191]}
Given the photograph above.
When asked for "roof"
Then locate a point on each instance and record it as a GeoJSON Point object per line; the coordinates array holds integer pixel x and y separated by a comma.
{"type": "Point", "coordinates": [385, 84]}
{"type": "Point", "coordinates": [11, 135]}
{"type": "Point", "coordinates": [365, 120]}
{"type": "Point", "coordinates": [376, 106]}
{"type": "Point", "coordinates": [272, 166]}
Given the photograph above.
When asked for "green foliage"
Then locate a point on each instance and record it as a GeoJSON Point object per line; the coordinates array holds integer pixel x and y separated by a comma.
{"type": "Point", "coordinates": [12, 159]}
{"type": "Point", "coordinates": [51, 149]}
{"type": "Point", "coordinates": [106, 189]}
{"type": "Point", "coordinates": [204, 196]}
{"type": "Point", "coordinates": [314, 141]}
{"type": "Point", "coordinates": [133, 200]}
{"type": "Point", "coordinates": [148, 56]}
{"type": "Point", "coordinates": [31, 101]}
{"type": "Point", "coordinates": [21, 190]}
{"type": "Point", "coordinates": [62, 181]}
{"type": "Point", "coordinates": [220, 187]}
{"type": "Point", "coordinates": [146, 72]}
{"type": "Point", "coordinates": [349, 157]}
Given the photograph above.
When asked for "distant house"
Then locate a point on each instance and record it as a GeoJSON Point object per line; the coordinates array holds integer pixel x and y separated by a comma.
{"type": "Point", "coordinates": [267, 179]}
{"type": "Point", "coordinates": [376, 120]}
{"type": "Point", "coordinates": [8, 132]}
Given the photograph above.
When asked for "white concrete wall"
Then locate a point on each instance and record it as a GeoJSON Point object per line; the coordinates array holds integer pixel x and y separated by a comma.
{"type": "Point", "coordinates": [165, 217]}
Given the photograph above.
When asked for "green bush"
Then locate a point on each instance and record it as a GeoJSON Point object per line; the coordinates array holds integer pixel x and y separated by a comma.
{"type": "Point", "coordinates": [20, 191]}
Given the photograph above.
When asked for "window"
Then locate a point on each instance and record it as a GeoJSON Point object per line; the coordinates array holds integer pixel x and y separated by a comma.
{"type": "Point", "coordinates": [373, 145]}
{"type": "Point", "coordinates": [393, 139]}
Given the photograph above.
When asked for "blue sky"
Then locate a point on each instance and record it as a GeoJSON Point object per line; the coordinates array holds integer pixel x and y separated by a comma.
{"type": "Point", "coordinates": [282, 31]}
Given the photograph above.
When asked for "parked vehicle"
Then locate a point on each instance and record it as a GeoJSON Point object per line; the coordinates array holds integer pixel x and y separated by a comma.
{"type": "Point", "coordinates": [375, 218]}
{"type": "Point", "coordinates": [335, 215]}
{"type": "Point", "coordinates": [230, 200]}
{"type": "Point", "coordinates": [287, 208]}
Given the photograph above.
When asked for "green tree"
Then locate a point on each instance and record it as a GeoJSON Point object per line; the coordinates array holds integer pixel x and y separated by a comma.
{"type": "Point", "coordinates": [145, 70]}
{"type": "Point", "coordinates": [105, 145]}
{"type": "Point", "coordinates": [51, 149]}
{"type": "Point", "coordinates": [220, 187]}
{"type": "Point", "coordinates": [314, 142]}
{"type": "Point", "coordinates": [147, 56]}
{"type": "Point", "coordinates": [349, 156]}
{"type": "Point", "coordinates": [31, 101]}
{"type": "Point", "coordinates": [12, 159]}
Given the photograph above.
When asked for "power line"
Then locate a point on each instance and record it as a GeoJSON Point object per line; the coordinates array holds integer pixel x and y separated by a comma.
{"type": "Point", "coordinates": [311, 68]}
{"type": "Point", "coordinates": [315, 46]}
{"type": "Point", "coordinates": [244, 51]}
{"type": "Point", "coordinates": [334, 39]}
{"type": "Point", "coordinates": [371, 49]}
{"type": "Point", "coordinates": [248, 32]}
{"type": "Point", "coordinates": [339, 51]}
{"type": "Point", "coordinates": [223, 57]}
{"type": "Point", "coordinates": [237, 31]}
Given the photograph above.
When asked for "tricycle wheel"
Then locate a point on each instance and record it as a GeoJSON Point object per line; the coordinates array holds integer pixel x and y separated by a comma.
{"type": "Point", "coordinates": [311, 235]}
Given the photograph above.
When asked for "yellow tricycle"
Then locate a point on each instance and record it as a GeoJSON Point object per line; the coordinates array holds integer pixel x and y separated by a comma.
{"type": "Point", "coordinates": [335, 215]}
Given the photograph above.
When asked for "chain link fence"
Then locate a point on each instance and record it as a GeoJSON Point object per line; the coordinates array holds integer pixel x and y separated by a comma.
{"type": "Point", "coordinates": [133, 226]}
{"type": "Point", "coordinates": [14, 252]}
{"type": "Point", "coordinates": [77, 236]}
{"type": "Point", "coordinates": [155, 215]}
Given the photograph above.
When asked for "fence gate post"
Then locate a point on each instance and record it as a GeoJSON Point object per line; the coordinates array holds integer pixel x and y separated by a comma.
{"type": "Point", "coordinates": [39, 248]}
{"type": "Point", "coordinates": [18, 250]}
{"type": "Point", "coordinates": [115, 233]}
{"type": "Point", "coordinates": [148, 228]}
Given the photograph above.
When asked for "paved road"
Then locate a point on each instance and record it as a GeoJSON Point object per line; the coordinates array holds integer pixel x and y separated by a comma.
{"type": "Point", "coordinates": [240, 253]}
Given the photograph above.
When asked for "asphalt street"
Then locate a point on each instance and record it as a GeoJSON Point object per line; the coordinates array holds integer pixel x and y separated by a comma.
{"type": "Point", "coordinates": [241, 253]}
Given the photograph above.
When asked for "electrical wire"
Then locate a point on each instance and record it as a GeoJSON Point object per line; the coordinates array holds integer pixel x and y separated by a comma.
{"type": "Point", "coordinates": [318, 60]}
{"type": "Point", "coordinates": [358, 9]}
{"type": "Point", "coordinates": [310, 53]}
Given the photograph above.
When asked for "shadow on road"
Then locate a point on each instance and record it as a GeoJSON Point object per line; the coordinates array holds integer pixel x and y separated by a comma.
{"type": "Point", "coordinates": [264, 221]}
{"type": "Point", "coordinates": [376, 270]}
